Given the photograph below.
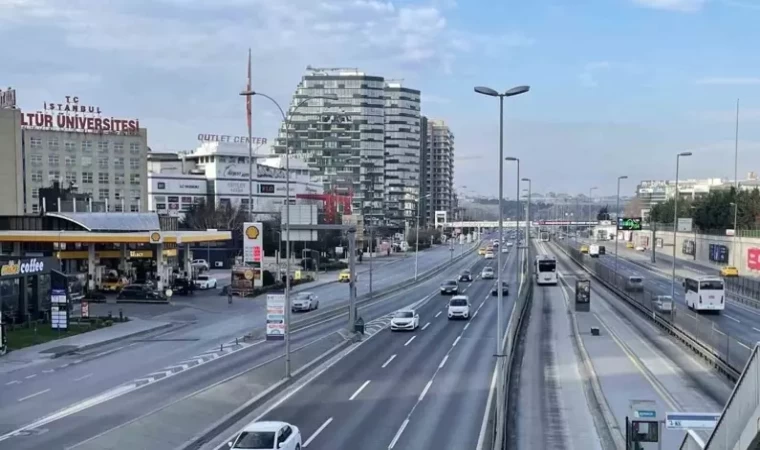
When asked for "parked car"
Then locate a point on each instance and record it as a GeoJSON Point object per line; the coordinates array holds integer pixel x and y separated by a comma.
{"type": "Point", "coordinates": [205, 282]}
{"type": "Point", "coordinates": [200, 264]}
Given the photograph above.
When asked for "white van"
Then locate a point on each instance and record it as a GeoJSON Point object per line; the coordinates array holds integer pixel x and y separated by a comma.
{"type": "Point", "coordinates": [593, 251]}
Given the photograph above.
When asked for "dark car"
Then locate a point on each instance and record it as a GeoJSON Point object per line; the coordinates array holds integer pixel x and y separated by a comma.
{"type": "Point", "coordinates": [450, 287]}
{"type": "Point", "coordinates": [602, 250]}
{"type": "Point", "coordinates": [183, 286]}
{"type": "Point", "coordinates": [465, 276]}
{"type": "Point", "coordinates": [139, 292]}
{"type": "Point", "coordinates": [504, 289]}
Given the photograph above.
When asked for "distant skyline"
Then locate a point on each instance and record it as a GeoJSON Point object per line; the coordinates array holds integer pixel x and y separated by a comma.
{"type": "Point", "coordinates": [618, 87]}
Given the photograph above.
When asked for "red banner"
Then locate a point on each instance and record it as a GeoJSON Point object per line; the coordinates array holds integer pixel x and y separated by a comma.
{"type": "Point", "coordinates": [753, 258]}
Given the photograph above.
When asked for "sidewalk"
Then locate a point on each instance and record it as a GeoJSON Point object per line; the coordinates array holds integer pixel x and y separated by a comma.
{"type": "Point", "coordinates": [80, 342]}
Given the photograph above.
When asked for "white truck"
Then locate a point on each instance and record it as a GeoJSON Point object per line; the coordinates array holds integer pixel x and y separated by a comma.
{"type": "Point", "coordinates": [593, 251]}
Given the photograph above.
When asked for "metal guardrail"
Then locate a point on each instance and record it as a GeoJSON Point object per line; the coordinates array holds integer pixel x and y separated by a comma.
{"type": "Point", "coordinates": [726, 353]}
{"type": "Point", "coordinates": [505, 361]}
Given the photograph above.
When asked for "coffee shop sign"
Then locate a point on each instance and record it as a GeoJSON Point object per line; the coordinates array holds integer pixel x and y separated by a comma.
{"type": "Point", "coordinates": [232, 139]}
{"type": "Point", "coordinates": [21, 268]}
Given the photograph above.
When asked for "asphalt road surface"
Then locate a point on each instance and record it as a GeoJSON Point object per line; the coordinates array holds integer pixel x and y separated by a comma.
{"type": "Point", "coordinates": [422, 389]}
{"type": "Point", "coordinates": [103, 391]}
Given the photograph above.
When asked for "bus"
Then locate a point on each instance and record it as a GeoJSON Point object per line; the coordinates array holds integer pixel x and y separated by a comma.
{"type": "Point", "coordinates": [546, 269]}
{"type": "Point", "coordinates": [705, 293]}
{"type": "Point", "coordinates": [544, 236]}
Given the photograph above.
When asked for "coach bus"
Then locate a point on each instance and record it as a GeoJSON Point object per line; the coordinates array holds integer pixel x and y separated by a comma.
{"type": "Point", "coordinates": [546, 269]}
{"type": "Point", "coordinates": [705, 293]}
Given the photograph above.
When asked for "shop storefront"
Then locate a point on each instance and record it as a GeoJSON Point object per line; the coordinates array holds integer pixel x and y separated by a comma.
{"type": "Point", "coordinates": [25, 287]}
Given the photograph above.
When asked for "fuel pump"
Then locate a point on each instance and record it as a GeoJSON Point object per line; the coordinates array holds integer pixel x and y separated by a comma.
{"type": "Point", "coordinates": [642, 426]}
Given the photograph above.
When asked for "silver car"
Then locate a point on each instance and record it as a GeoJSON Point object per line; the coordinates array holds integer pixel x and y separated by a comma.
{"type": "Point", "coordinates": [304, 301]}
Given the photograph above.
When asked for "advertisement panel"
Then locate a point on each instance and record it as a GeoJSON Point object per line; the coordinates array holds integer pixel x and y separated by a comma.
{"type": "Point", "coordinates": [685, 225]}
{"type": "Point", "coordinates": [583, 295]}
{"type": "Point", "coordinates": [689, 247]}
{"type": "Point", "coordinates": [59, 309]}
{"type": "Point", "coordinates": [753, 258]}
{"type": "Point", "coordinates": [629, 223]}
{"type": "Point", "coordinates": [178, 186]}
{"type": "Point", "coordinates": [275, 317]}
{"type": "Point", "coordinates": [718, 253]}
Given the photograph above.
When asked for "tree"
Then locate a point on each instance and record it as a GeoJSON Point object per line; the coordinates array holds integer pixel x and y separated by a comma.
{"type": "Point", "coordinates": [663, 212]}
{"type": "Point", "coordinates": [716, 212]}
{"type": "Point", "coordinates": [603, 214]}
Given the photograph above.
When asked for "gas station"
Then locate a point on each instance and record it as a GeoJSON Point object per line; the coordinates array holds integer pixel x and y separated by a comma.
{"type": "Point", "coordinates": [140, 245]}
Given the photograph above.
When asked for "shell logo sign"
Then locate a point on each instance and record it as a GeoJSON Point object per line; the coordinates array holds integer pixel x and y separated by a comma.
{"type": "Point", "coordinates": [155, 237]}
{"type": "Point", "coordinates": [252, 232]}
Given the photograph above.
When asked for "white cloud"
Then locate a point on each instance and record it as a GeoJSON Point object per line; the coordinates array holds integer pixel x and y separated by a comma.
{"type": "Point", "coordinates": [673, 5]}
{"type": "Point", "coordinates": [728, 81]}
{"type": "Point", "coordinates": [590, 70]}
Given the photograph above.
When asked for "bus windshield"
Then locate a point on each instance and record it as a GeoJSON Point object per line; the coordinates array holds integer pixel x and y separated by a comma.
{"type": "Point", "coordinates": [547, 266]}
{"type": "Point", "coordinates": [711, 285]}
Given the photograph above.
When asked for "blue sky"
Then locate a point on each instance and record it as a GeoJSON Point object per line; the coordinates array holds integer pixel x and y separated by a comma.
{"type": "Point", "coordinates": [618, 86]}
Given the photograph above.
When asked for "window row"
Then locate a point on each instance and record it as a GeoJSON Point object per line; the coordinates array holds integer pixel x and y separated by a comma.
{"type": "Point", "coordinates": [35, 143]}
{"type": "Point", "coordinates": [85, 161]}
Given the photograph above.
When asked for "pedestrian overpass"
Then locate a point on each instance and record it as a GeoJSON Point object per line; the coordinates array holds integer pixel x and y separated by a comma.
{"type": "Point", "coordinates": [481, 224]}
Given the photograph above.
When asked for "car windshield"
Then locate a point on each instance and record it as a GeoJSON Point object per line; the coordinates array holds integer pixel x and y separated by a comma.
{"type": "Point", "coordinates": [404, 315]}
{"type": "Point", "coordinates": [450, 283]}
{"type": "Point", "coordinates": [303, 296]}
{"type": "Point", "coordinates": [255, 439]}
{"type": "Point", "coordinates": [488, 269]}
{"type": "Point", "coordinates": [458, 302]}
{"type": "Point", "coordinates": [711, 285]}
{"type": "Point", "coordinates": [466, 272]}
{"type": "Point", "coordinates": [202, 277]}
{"type": "Point", "coordinates": [635, 279]}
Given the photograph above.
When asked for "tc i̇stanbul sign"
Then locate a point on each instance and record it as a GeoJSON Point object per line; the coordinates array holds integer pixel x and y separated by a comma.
{"type": "Point", "coordinates": [71, 115]}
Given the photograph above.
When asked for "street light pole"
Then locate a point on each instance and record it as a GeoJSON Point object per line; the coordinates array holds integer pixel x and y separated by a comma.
{"type": "Point", "coordinates": [675, 225]}
{"type": "Point", "coordinates": [499, 306]}
{"type": "Point", "coordinates": [517, 218]}
{"type": "Point", "coordinates": [417, 239]}
{"type": "Point", "coordinates": [617, 220]}
{"type": "Point", "coordinates": [736, 185]}
{"type": "Point", "coordinates": [251, 93]}
{"type": "Point", "coordinates": [527, 215]}
{"type": "Point", "coordinates": [590, 208]}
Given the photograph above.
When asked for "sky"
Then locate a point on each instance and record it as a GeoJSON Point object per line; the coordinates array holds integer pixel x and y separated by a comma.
{"type": "Point", "coordinates": [618, 87]}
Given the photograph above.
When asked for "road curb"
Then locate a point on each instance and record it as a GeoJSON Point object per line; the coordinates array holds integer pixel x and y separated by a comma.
{"type": "Point", "coordinates": [238, 414]}
{"type": "Point", "coordinates": [110, 341]}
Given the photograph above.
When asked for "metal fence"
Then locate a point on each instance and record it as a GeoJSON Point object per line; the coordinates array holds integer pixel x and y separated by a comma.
{"type": "Point", "coordinates": [732, 350]}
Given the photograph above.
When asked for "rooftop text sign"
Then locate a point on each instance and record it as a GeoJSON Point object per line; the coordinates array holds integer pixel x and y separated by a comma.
{"type": "Point", "coordinates": [72, 115]}
{"type": "Point", "coordinates": [233, 139]}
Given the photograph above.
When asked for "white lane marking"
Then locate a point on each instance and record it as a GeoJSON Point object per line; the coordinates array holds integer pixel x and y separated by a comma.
{"type": "Point", "coordinates": [424, 391]}
{"type": "Point", "coordinates": [740, 343]}
{"type": "Point", "coordinates": [732, 318]}
{"type": "Point", "coordinates": [475, 313]}
{"type": "Point", "coordinates": [426, 325]}
{"type": "Point", "coordinates": [12, 382]}
{"type": "Point", "coordinates": [445, 358]}
{"type": "Point", "coordinates": [83, 377]}
{"type": "Point", "coordinates": [398, 434]}
{"type": "Point", "coordinates": [756, 329]}
{"type": "Point", "coordinates": [33, 395]}
{"type": "Point", "coordinates": [456, 341]}
{"type": "Point", "coordinates": [64, 366]}
{"type": "Point", "coordinates": [389, 361]}
{"type": "Point", "coordinates": [75, 362]}
{"type": "Point", "coordinates": [361, 388]}
{"type": "Point", "coordinates": [316, 433]}
{"type": "Point", "coordinates": [30, 376]}
{"type": "Point", "coordinates": [48, 371]}
{"type": "Point", "coordinates": [439, 313]}
{"type": "Point", "coordinates": [467, 326]}
{"type": "Point", "coordinates": [409, 341]}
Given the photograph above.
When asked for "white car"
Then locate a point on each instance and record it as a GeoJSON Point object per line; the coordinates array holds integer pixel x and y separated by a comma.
{"type": "Point", "coordinates": [304, 301]}
{"type": "Point", "coordinates": [505, 250]}
{"type": "Point", "coordinates": [205, 282]}
{"type": "Point", "coordinates": [639, 248]}
{"type": "Point", "coordinates": [201, 264]}
{"type": "Point", "coordinates": [459, 307]}
{"type": "Point", "coordinates": [489, 255]}
{"type": "Point", "coordinates": [487, 273]}
{"type": "Point", "coordinates": [268, 435]}
{"type": "Point", "coordinates": [405, 319]}
{"type": "Point", "coordinates": [509, 244]}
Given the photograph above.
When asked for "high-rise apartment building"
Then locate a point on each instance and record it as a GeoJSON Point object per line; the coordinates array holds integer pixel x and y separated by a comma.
{"type": "Point", "coordinates": [438, 170]}
{"type": "Point", "coordinates": [364, 143]}
{"type": "Point", "coordinates": [402, 153]}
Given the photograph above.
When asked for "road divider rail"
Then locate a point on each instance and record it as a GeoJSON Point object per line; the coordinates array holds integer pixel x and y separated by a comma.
{"type": "Point", "coordinates": [721, 358]}
{"type": "Point", "coordinates": [493, 436]}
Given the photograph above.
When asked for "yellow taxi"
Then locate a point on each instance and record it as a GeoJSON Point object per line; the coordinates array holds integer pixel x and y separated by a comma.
{"type": "Point", "coordinates": [729, 271]}
{"type": "Point", "coordinates": [112, 284]}
{"type": "Point", "coordinates": [584, 248]}
{"type": "Point", "coordinates": [629, 245]}
{"type": "Point", "coordinates": [344, 276]}
{"type": "Point", "coordinates": [482, 251]}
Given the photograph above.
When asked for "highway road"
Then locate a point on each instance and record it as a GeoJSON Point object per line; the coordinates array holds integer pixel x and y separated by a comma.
{"type": "Point", "coordinates": [132, 373]}
{"type": "Point", "coordinates": [739, 321]}
{"type": "Point", "coordinates": [402, 390]}
{"type": "Point", "coordinates": [632, 359]}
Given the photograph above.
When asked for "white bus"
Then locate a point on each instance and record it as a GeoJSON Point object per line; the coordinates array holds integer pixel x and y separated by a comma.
{"type": "Point", "coordinates": [705, 293]}
{"type": "Point", "coordinates": [546, 269]}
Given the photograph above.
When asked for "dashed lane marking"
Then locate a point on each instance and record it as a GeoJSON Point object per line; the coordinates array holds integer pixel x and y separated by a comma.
{"type": "Point", "coordinates": [389, 361]}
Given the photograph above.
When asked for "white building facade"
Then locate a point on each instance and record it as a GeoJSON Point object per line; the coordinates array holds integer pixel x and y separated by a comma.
{"type": "Point", "coordinates": [219, 172]}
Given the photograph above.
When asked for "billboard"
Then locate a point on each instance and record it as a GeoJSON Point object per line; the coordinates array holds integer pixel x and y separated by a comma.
{"type": "Point", "coordinates": [689, 247]}
{"type": "Point", "coordinates": [253, 249]}
{"type": "Point", "coordinates": [629, 223]}
{"type": "Point", "coordinates": [718, 253]}
{"type": "Point", "coordinates": [275, 330]}
{"type": "Point", "coordinates": [753, 258]}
